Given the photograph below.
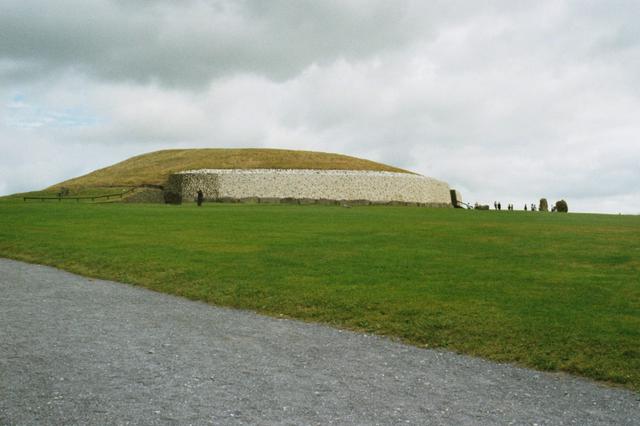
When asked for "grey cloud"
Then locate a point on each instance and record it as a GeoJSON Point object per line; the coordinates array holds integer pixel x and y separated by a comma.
{"type": "Point", "coordinates": [189, 43]}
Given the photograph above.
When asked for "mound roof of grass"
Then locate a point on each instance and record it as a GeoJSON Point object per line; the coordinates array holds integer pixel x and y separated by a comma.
{"type": "Point", "coordinates": [155, 167]}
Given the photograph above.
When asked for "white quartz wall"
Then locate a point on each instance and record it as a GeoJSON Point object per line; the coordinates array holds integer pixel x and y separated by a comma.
{"type": "Point", "coordinates": [311, 184]}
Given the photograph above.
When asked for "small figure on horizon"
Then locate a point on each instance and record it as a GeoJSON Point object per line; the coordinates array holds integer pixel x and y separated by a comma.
{"type": "Point", "coordinates": [525, 207]}
{"type": "Point", "coordinates": [200, 197]}
{"type": "Point", "coordinates": [495, 205]}
{"type": "Point", "coordinates": [499, 206]}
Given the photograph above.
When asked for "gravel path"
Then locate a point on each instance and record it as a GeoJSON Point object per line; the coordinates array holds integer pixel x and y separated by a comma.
{"type": "Point", "coordinates": [79, 351]}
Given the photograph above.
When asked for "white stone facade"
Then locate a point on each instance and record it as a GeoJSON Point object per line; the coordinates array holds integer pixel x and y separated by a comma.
{"type": "Point", "coordinates": [337, 185]}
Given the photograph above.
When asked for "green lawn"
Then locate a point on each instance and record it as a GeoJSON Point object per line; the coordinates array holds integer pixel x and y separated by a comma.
{"type": "Point", "coordinates": [549, 291]}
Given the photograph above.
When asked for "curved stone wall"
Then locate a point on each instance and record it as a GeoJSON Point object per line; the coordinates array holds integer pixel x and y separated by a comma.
{"type": "Point", "coordinates": [339, 185]}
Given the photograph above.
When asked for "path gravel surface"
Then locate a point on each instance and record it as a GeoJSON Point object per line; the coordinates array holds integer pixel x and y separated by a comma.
{"type": "Point", "coordinates": [74, 350]}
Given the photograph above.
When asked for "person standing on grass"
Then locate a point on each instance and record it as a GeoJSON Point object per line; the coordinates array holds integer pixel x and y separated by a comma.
{"type": "Point", "coordinates": [200, 197]}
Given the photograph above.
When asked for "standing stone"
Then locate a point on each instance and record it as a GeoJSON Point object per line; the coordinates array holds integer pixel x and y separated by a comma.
{"type": "Point", "coordinates": [544, 206]}
{"type": "Point", "coordinates": [456, 198]}
{"type": "Point", "coordinates": [561, 206]}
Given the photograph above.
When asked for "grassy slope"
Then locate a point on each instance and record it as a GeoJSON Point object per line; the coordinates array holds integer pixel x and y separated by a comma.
{"type": "Point", "coordinates": [154, 168]}
{"type": "Point", "coordinates": [550, 291]}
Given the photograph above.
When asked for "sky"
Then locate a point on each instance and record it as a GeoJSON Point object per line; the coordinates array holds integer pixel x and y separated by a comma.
{"type": "Point", "coordinates": [504, 100]}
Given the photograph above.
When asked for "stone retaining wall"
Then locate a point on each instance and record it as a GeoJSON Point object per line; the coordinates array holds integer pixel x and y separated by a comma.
{"type": "Point", "coordinates": [260, 185]}
{"type": "Point", "coordinates": [145, 195]}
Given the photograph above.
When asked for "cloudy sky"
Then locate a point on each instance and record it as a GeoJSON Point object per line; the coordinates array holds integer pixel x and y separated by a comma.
{"type": "Point", "coordinates": [504, 100]}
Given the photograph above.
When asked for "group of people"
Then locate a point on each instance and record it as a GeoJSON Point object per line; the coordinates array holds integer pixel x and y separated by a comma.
{"type": "Point", "coordinates": [498, 206]}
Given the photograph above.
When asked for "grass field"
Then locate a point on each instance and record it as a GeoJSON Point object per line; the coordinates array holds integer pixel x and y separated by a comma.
{"type": "Point", "coordinates": [549, 291]}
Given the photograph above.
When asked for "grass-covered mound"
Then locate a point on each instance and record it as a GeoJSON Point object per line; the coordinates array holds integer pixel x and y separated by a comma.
{"type": "Point", "coordinates": [550, 291]}
{"type": "Point", "coordinates": [155, 167]}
